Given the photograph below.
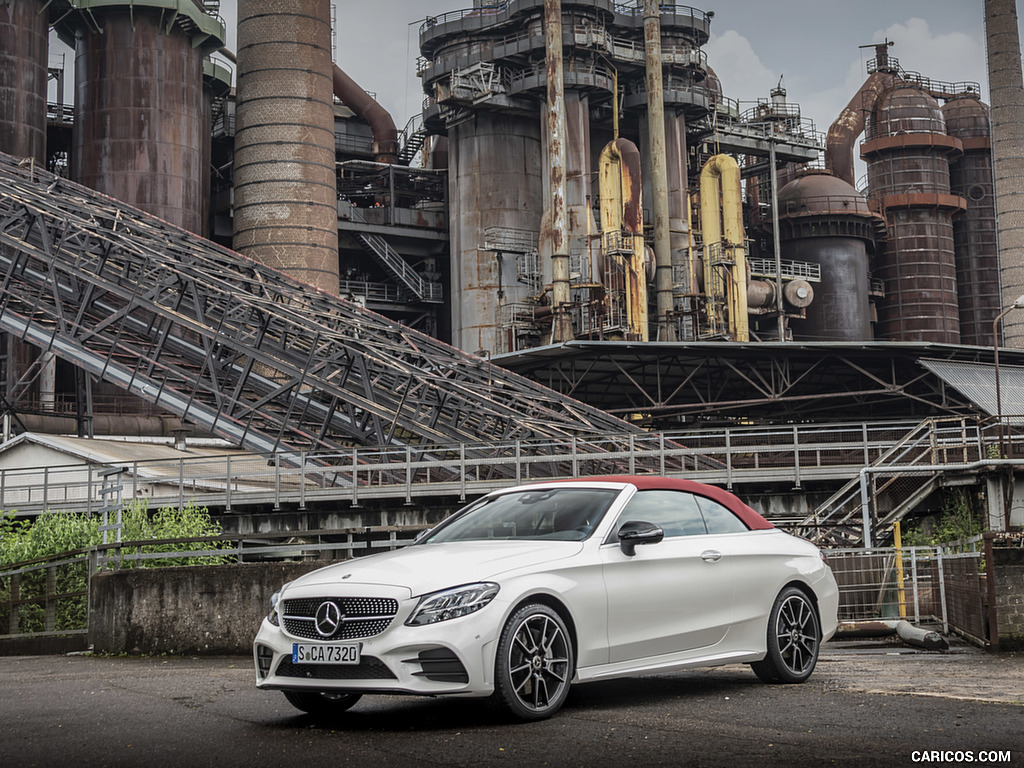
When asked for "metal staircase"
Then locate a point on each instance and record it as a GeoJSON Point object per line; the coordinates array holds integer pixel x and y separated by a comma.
{"type": "Point", "coordinates": [239, 349]}
{"type": "Point", "coordinates": [894, 483]}
{"type": "Point", "coordinates": [414, 136]}
{"type": "Point", "coordinates": [423, 290]}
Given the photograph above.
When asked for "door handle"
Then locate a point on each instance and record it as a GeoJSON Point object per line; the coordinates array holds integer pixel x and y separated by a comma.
{"type": "Point", "coordinates": [711, 556]}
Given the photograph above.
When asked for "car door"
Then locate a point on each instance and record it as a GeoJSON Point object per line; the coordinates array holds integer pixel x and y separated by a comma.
{"type": "Point", "coordinates": [672, 596]}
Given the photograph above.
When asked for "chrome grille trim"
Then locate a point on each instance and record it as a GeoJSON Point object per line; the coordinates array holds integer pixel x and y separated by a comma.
{"type": "Point", "coordinates": [362, 616]}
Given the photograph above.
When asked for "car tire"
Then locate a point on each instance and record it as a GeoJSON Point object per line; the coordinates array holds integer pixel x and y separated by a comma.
{"type": "Point", "coordinates": [534, 664]}
{"type": "Point", "coordinates": [794, 638]}
{"type": "Point", "coordinates": [321, 702]}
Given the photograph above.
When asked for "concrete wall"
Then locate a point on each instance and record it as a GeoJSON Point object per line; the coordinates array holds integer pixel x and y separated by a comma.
{"type": "Point", "coordinates": [213, 609]}
{"type": "Point", "coordinates": [218, 609]}
{"type": "Point", "coordinates": [1009, 585]}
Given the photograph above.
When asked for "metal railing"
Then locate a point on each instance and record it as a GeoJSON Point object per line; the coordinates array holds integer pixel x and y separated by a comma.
{"type": "Point", "coordinates": [789, 454]}
{"type": "Point", "coordinates": [791, 269]}
{"type": "Point", "coordinates": [937, 88]}
{"type": "Point", "coordinates": [422, 289]}
{"type": "Point", "coordinates": [533, 78]}
{"type": "Point", "coordinates": [38, 587]}
{"type": "Point", "coordinates": [501, 12]}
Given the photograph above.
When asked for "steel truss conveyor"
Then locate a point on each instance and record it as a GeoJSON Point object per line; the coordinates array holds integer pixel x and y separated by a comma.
{"type": "Point", "coordinates": [237, 348]}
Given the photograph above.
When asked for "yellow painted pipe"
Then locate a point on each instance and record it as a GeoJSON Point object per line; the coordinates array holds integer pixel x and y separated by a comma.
{"type": "Point", "coordinates": [721, 212]}
{"type": "Point", "coordinates": [622, 212]}
{"type": "Point", "coordinates": [897, 531]}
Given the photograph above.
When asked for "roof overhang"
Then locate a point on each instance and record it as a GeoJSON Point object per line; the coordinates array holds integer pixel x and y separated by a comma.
{"type": "Point", "coordinates": [665, 383]}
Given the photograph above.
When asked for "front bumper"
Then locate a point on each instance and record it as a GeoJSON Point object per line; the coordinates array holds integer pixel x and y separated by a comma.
{"type": "Point", "coordinates": [827, 591]}
{"type": "Point", "coordinates": [454, 657]}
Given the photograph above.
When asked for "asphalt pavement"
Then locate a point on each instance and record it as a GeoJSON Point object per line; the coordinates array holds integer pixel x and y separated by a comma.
{"type": "Point", "coordinates": [874, 704]}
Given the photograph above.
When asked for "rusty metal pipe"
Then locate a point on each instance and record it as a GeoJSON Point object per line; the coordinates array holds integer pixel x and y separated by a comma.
{"type": "Point", "coordinates": [555, 125]}
{"type": "Point", "coordinates": [843, 133]}
{"type": "Point", "coordinates": [659, 169]}
{"type": "Point", "coordinates": [622, 212]}
{"type": "Point", "coordinates": [107, 424]}
{"type": "Point", "coordinates": [385, 134]}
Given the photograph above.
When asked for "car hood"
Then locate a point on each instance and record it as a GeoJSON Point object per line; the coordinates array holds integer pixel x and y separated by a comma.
{"type": "Point", "coordinates": [426, 568]}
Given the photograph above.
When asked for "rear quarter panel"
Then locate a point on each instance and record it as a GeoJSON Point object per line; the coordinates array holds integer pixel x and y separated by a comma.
{"type": "Point", "coordinates": [764, 563]}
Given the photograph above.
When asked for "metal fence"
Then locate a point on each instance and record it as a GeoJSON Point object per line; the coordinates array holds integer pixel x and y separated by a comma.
{"type": "Point", "coordinates": [943, 585]}
{"type": "Point", "coordinates": [45, 598]}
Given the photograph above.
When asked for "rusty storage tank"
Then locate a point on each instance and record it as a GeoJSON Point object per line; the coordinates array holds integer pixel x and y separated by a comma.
{"type": "Point", "coordinates": [23, 61]}
{"type": "Point", "coordinates": [495, 187]}
{"type": "Point", "coordinates": [825, 221]}
{"type": "Point", "coordinates": [286, 206]}
{"type": "Point", "coordinates": [139, 128]}
{"type": "Point", "coordinates": [974, 233]}
{"type": "Point", "coordinates": [23, 73]}
{"type": "Point", "coordinates": [495, 170]}
{"type": "Point", "coordinates": [908, 152]}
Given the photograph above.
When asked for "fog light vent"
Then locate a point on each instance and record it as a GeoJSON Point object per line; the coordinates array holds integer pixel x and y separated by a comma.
{"type": "Point", "coordinates": [440, 665]}
{"type": "Point", "coordinates": [264, 658]}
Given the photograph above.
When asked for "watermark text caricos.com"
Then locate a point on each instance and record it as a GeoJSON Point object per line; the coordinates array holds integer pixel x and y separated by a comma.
{"type": "Point", "coordinates": [954, 756]}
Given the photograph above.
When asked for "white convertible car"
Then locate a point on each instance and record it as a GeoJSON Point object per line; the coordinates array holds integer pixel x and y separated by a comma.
{"type": "Point", "coordinates": [531, 589]}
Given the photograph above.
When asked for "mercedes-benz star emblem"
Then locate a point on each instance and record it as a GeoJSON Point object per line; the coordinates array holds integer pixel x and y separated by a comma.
{"type": "Point", "coordinates": [328, 618]}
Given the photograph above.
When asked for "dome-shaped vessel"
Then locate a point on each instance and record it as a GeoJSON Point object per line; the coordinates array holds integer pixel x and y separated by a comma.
{"type": "Point", "coordinates": [825, 221]}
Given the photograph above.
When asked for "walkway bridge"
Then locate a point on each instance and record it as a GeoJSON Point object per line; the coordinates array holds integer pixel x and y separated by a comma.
{"type": "Point", "coordinates": [897, 464]}
{"type": "Point", "coordinates": [238, 349]}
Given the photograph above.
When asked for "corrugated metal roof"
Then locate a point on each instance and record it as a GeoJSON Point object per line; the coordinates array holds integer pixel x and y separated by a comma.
{"type": "Point", "coordinates": [155, 460]}
{"type": "Point", "coordinates": [977, 382]}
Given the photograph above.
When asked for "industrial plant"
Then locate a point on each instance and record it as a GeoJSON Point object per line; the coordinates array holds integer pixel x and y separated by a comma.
{"type": "Point", "coordinates": [580, 241]}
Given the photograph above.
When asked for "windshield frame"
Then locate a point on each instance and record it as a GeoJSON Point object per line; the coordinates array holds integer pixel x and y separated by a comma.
{"type": "Point", "coordinates": [539, 513]}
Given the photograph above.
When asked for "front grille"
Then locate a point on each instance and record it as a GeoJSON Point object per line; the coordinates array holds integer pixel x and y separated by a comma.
{"type": "Point", "coordinates": [370, 668]}
{"type": "Point", "coordinates": [361, 616]}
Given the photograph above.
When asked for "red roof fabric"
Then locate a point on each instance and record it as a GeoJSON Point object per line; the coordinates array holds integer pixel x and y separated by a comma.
{"type": "Point", "coordinates": [751, 518]}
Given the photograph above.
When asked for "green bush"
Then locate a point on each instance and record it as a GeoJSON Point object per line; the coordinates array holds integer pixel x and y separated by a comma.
{"type": "Point", "coordinates": [48, 535]}
{"type": "Point", "coordinates": [55, 533]}
{"type": "Point", "coordinates": [959, 520]}
{"type": "Point", "coordinates": [186, 522]}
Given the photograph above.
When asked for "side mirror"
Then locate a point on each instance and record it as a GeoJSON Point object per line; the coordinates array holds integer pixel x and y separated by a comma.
{"type": "Point", "coordinates": [637, 532]}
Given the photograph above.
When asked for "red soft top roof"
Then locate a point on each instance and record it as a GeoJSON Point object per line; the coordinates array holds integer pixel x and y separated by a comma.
{"type": "Point", "coordinates": [753, 520]}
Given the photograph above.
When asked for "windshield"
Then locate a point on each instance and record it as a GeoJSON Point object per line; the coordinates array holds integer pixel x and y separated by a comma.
{"type": "Point", "coordinates": [566, 514]}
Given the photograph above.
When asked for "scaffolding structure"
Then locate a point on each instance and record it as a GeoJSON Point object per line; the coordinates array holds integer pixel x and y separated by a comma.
{"type": "Point", "coordinates": [236, 348]}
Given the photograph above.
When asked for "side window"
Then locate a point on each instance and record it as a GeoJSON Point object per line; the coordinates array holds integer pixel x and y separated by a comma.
{"type": "Point", "coordinates": [676, 512]}
{"type": "Point", "coordinates": [720, 519]}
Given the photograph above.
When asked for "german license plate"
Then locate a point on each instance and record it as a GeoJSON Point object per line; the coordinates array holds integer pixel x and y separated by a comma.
{"type": "Point", "coordinates": [316, 653]}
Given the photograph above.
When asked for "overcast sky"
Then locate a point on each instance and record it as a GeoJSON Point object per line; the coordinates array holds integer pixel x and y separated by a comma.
{"type": "Point", "coordinates": [812, 44]}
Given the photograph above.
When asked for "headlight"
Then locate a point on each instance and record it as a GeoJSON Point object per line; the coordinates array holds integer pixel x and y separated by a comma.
{"type": "Point", "coordinates": [272, 617]}
{"type": "Point", "coordinates": [452, 603]}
